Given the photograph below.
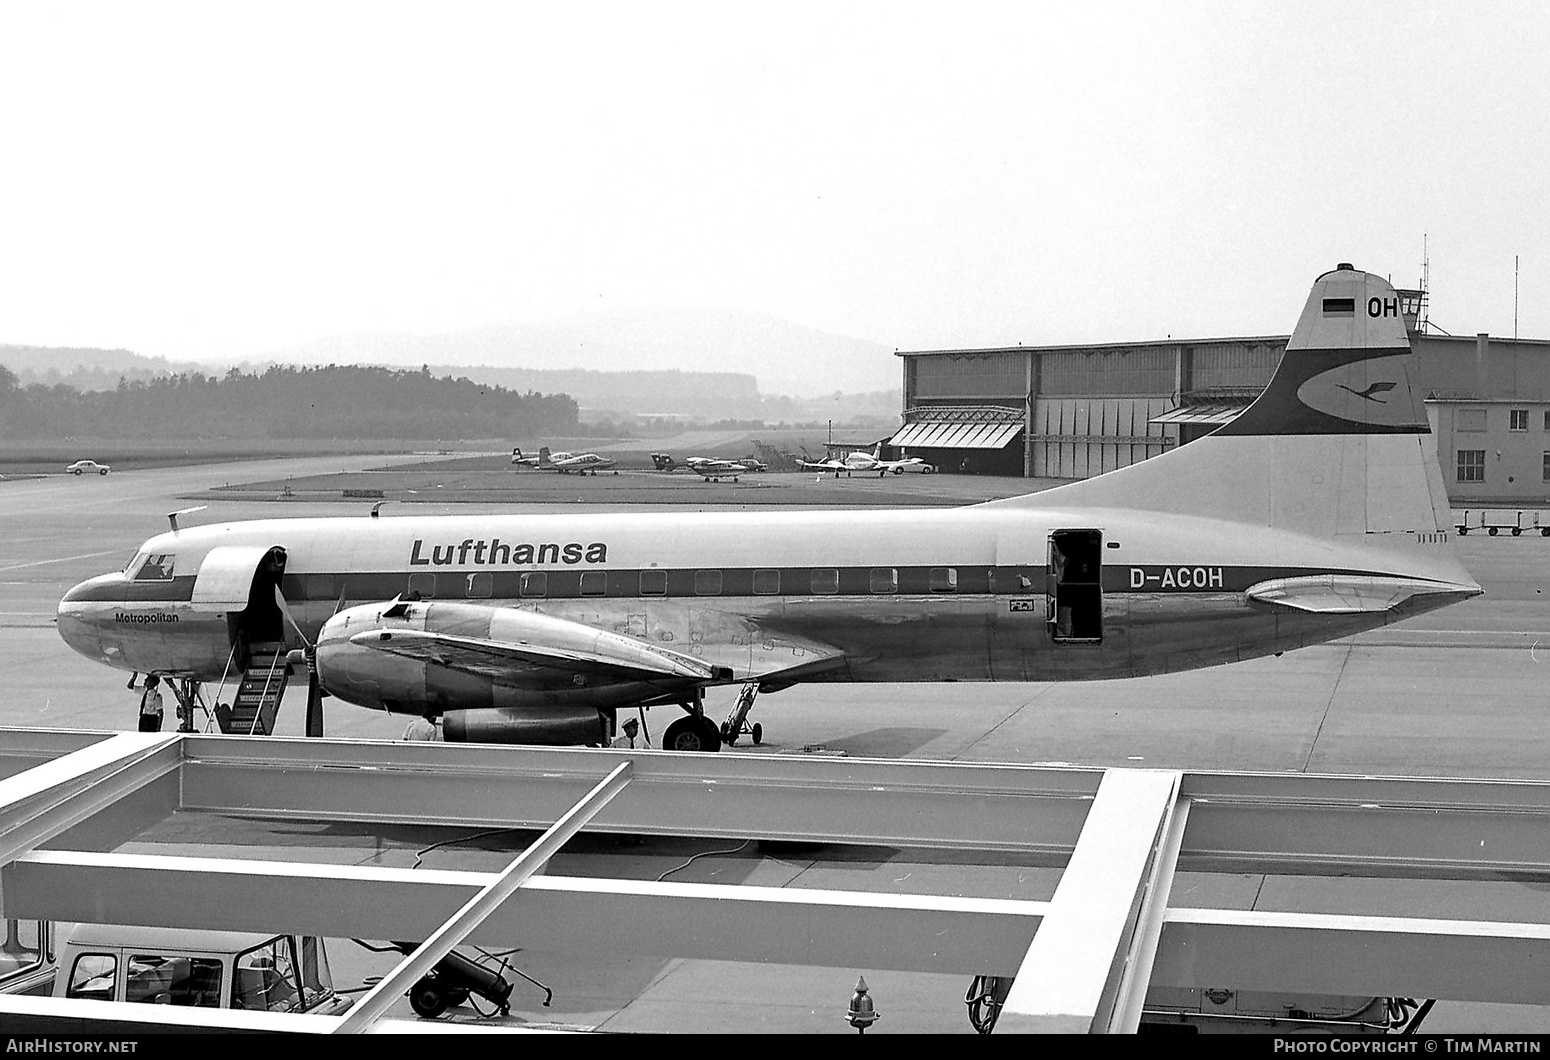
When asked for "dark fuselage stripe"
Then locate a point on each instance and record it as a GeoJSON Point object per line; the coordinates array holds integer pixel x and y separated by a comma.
{"type": "Point", "coordinates": [1116, 579]}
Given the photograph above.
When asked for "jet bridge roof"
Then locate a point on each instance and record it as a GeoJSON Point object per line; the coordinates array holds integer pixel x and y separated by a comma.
{"type": "Point", "coordinates": [1082, 959]}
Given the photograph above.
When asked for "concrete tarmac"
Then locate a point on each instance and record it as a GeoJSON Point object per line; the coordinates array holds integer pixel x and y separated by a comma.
{"type": "Point", "coordinates": [1457, 693]}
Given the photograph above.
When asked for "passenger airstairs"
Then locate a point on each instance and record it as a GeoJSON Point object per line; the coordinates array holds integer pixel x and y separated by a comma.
{"type": "Point", "coordinates": [252, 710]}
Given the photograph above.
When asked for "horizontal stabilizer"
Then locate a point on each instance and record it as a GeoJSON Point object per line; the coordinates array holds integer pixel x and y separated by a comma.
{"type": "Point", "coordinates": [608, 653]}
{"type": "Point", "coordinates": [1339, 594]}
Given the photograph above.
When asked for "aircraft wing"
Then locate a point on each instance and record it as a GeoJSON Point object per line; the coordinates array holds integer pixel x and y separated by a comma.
{"type": "Point", "coordinates": [587, 651]}
{"type": "Point", "coordinates": [1340, 594]}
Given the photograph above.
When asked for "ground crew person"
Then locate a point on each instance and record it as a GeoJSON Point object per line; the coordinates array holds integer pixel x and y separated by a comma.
{"type": "Point", "coordinates": [422, 728]}
{"type": "Point", "coordinates": [628, 739]}
{"type": "Point", "coordinates": [150, 705]}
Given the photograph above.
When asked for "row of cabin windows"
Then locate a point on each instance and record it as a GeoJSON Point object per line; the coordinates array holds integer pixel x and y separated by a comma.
{"type": "Point", "coordinates": [535, 584]}
{"type": "Point", "coordinates": [1471, 466]}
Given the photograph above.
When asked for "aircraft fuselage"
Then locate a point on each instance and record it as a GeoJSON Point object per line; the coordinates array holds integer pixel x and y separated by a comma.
{"type": "Point", "coordinates": [966, 594]}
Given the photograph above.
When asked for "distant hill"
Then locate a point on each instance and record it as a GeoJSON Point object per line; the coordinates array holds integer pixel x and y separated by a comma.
{"type": "Point", "coordinates": [785, 358]}
{"type": "Point", "coordinates": [85, 368]}
{"type": "Point", "coordinates": [703, 395]}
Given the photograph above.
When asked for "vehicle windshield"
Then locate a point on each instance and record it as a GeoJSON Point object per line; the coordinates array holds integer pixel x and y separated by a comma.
{"type": "Point", "coordinates": [271, 977]}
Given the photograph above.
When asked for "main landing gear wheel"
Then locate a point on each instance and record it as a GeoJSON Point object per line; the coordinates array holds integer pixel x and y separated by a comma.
{"type": "Point", "coordinates": [692, 734]}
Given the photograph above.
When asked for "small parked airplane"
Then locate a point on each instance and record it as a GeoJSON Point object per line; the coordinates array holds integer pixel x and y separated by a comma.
{"type": "Point", "coordinates": [1317, 513]}
{"type": "Point", "coordinates": [565, 463]}
{"type": "Point", "coordinates": [861, 460]}
{"type": "Point", "coordinates": [708, 468]}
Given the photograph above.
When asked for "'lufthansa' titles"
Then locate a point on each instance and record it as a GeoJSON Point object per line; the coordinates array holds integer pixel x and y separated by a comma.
{"type": "Point", "coordinates": [498, 553]}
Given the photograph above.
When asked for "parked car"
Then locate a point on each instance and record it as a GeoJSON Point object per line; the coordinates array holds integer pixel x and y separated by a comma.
{"type": "Point", "coordinates": [81, 467]}
{"type": "Point", "coordinates": [918, 469]}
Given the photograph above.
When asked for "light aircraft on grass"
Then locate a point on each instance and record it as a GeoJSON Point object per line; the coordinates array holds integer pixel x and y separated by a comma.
{"type": "Point", "coordinates": [1318, 513]}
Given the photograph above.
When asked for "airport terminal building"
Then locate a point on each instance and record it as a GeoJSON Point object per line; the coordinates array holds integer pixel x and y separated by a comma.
{"type": "Point", "coordinates": [1072, 412]}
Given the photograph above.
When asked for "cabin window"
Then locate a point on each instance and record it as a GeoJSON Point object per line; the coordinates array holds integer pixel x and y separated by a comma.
{"type": "Point", "coordinates": [319, 587]}
{"type": "Point", "coordinates": [157, 568]}
{"type": "Point", "coordinates": [92, 976]}
{"type": "Point", "coordinates": [1517, 419]}
{"type": "Point", "coordinates": [653, 583]}
{"type": "Point", "coordinates": [422, 586]}
{"type": "Point", "coordinates": [766, 582]}
{"type": "Point", "coordinates": [707, 583]}
{"type": "Point", "coordinates": [535, 583]}
{"type": "Point", "coordinates": [944, 579]}
{"type": "Point", "coordinates": [885, 580]}
{"type": "Point", "coordinates": [826, 581]}
{"type": "Point", "coordinates": [481, 586]}
{"type": "Point", "coordinates": [189, 981]}
{"type": "Point", "coordinates": [594, 583]}
{"type": "Point", "coordinates": [1471, 465]}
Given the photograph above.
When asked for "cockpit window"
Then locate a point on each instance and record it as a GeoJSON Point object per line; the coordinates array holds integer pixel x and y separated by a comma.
{"type": "Point", "coordinates": [158, 567]}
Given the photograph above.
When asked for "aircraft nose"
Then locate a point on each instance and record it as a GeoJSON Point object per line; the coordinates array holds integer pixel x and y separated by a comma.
{"type": "Point", "coordinates": [78, 617]}
{"type": "Point", "coordinates": [90, 589]}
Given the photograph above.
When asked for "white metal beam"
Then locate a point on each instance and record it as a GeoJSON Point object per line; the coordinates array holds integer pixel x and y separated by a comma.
{"type": "Point", "coordinates": [22, 1014]}
{"type": "Point", "coordinates": [580, 917]}
{"type": "Point", "coordinates": [1069, 979]}
{"type": "Point", "coordinates": [41, 803]}
{"type": "Point", "coordinates": [1360, 956]}
{"type": "Point", "coordinates": [939, 805]}
{"type": "Point", "coordinates": [1137, 975]}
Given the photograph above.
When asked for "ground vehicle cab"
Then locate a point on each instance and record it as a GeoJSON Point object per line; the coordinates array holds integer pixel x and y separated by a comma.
{"type": "Point", "coordinates": [203, 969]}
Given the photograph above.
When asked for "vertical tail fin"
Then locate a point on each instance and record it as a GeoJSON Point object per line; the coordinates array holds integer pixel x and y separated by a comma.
{"type": "Point", "coordinates": [1338, 443]}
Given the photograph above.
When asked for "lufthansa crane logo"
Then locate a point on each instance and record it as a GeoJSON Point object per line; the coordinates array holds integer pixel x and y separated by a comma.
{"type": "Point", "coordinates": [1370, 394]}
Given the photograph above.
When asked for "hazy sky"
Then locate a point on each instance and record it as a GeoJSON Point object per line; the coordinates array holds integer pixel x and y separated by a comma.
{"type": "Point", "coordinates": [201, 179]}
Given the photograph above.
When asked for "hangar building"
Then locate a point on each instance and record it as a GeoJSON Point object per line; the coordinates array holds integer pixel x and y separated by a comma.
{"type": "Point", "coordinates": [1072, 412]}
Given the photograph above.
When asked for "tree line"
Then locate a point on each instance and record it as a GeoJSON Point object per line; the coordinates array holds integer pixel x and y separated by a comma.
{"type": "Point", "coordinates": [350, 401]}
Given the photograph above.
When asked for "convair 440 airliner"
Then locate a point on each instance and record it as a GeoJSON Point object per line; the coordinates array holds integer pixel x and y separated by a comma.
{"type": "Point", "coordinates": [1317, 513]}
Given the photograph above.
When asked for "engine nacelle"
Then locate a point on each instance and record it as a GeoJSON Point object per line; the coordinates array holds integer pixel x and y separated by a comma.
{"type": "Point", "coordinates": [533, 725]}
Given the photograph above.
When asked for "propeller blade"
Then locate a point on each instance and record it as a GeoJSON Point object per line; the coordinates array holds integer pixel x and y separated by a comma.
{"type": "Point", "coordinates": [314, 702]}
{"type": "Point", "coordinates": [285, 609]}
